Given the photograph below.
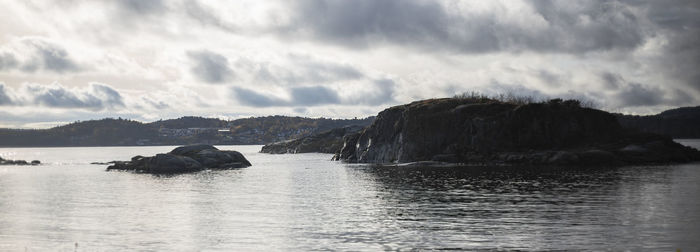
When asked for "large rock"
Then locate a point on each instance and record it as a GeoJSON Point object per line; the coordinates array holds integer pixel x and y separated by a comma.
{"type": "Point", "coordinates": [330, 141]}
{"type": "Point", "coordinates": [169, 163]}
{"type": "Point", "coordinates": [184, 159]}
{"type": "Point", "coordinates": [492, 132]}
{"type": "Point", "coordinates": [18, 162]}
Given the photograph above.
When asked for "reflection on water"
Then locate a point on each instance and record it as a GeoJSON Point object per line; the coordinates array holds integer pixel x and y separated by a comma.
{"type": "Point", "coordinates": [304, 202]}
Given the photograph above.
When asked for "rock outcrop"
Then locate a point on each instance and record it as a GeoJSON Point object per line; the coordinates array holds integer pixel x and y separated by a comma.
{"type": "Point", "coordinates": [184, 159]}
{"type": "Point", "coordinates": [18, 162]}
{"type": "Point", "coordinates": [330, 141]}
{"type": "Point", "coordinates": [491, 132]}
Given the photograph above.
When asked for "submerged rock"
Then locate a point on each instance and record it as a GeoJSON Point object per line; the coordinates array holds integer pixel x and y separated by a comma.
{"type": "Point", "coordinates": [330, 141]}
{"type": "Point", "coordinates": [184, 159]}
{"type": "Point", "coordinates": [493, 132]}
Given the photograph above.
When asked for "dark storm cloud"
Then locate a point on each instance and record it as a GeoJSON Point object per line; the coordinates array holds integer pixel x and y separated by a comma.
{"type": "Point", "coordinates": [677, 22]}
{"type": "Point", "coordinates": [210, 67]}
{"type": "Point", "coordinates": [356, 23]}
{"type": "Point", "coordinates": [635, 95]}
{"type": "Point", "coordinates": [584, 26]}
{"type": "Point", "coordinates": [577, 27]}
{"type": "Point", "coordinates": [95, 97]}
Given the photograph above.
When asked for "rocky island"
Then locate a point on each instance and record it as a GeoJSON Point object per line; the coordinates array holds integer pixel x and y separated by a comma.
{"type": "Point", "coordinates": [18, 162]}
{"type": "Point", "coordinates": [330, 141]}
{"type": "Point", "coordinates": [485, 131]}
{"type": "Point", "coordinates": [184, 159]}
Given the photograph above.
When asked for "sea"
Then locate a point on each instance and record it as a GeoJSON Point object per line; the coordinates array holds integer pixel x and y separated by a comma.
{"type": "Point", "coordinates": [305, 202]}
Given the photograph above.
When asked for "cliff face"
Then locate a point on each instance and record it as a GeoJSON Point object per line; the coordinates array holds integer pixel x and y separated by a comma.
{"type": "Point", "coordinates": [468, 131]}
{"type": "Point", "coordinates": [330, 141]}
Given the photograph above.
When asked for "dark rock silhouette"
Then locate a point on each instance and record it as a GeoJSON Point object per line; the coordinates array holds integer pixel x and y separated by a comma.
{"type": "Point", "coordinates": [330, 141]}
{"type": "Point", "coordinates": [18, 162]}
{"type": "Point", "coordinates": [676, 123]}
{"type": "Point", "coordinates": [485, 131]}
{"type": "Point", "coordinates": [184, 159]}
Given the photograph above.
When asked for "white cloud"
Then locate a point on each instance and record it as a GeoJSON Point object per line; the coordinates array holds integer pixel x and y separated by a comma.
{"type": "Point", "coordinates": [338, 58]}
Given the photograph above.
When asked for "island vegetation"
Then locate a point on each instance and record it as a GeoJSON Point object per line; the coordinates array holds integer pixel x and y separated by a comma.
{"type": "Point", "coordinates": [181, 131]}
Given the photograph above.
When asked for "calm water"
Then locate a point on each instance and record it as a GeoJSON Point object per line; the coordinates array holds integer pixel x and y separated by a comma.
{"type": "Point", "coordinates": [305, 202]}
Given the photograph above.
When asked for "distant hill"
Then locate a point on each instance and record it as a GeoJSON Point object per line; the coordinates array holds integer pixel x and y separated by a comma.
{"type": "Point", "coordinates": [677, 123]}
{"type": "Point", "coordinates": [184, 130]}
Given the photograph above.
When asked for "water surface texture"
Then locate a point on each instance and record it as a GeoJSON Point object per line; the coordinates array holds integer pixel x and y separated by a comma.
{"type": "Point", "coordinates": [306, 202]}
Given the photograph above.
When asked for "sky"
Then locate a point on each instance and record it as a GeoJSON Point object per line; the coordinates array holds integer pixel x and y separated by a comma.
{"type": "Point", "coordinates": [68, 60]}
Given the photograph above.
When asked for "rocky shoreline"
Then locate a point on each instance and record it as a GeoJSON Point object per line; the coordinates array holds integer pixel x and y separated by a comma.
{"type": "Point", "coordinates": [330, 141]}
{"type": "Point", "coordinates": [491, 132]}
{"type": "Point", "coordinates": [18, 162]}
{"type": "Point", "coordinates": [191, 158]}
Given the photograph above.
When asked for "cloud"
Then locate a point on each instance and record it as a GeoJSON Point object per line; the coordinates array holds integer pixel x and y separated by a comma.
{"type": "Point", "coordinates": [343, 58]}
{"type": "Point", "coordinates": [210, 67]}
{"type": "Point", "coordinates": [159, 105]}
{"type": "Point", "coordinates": [635, 94]}
{"type": "Point", "coordinates": [295, 69]}
{"type": "Point", "coordinates": [677, 24]}
{"type": "Point", "coordinates": [299, 96]}
{"type": "Point", "coordinates": [252, 98]}
{"type": "Point", "coordinates": [471, 27]}
{"type": "Point", "coordinates": [314, 95]}
{"type": "Point", "coordinates": [611, 81]}
{"type": "Point", "coordinates": [35, 54]}
{"type": "Point", "coordinates": [142, 7]}
{"type": "Point", "coordinates": [4, 96]}
{"type": "Point", "coordinates": [375, 92]}
{"type": "Point", "coordinates": [7, 61]}
{"type": "Point", "coordinates": [206, 16]}
{"type": "Point", "coordinates": [53, 58]}
{"type": "Point", "coordinates": [95, 96]}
